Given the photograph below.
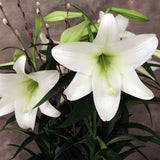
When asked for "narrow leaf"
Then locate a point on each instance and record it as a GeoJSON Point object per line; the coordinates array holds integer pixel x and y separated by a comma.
{"type": "Point", "coordinates": [10, 120]}
{"type": "Point", "coordinates": [38, 26]}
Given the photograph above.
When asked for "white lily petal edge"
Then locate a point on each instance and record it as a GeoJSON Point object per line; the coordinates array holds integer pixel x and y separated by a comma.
{"type": "Point", "coordinates": [108, 63]}
{"type": "Point", "coordinates": [20, 92]}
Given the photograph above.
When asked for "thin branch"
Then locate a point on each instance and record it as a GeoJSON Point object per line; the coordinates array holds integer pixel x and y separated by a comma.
{"type": "Point", "coordinates": [18, 38]}
{"type": "Point", "coordinates": [28, 31]}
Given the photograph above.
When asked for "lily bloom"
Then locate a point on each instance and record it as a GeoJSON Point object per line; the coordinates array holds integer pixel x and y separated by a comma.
{"type": "Point", "coordinates": [107, 66]}
{"type": "Point", "coordinates": [20, 92]}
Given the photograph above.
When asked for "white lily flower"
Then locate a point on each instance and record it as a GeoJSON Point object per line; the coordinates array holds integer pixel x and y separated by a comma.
{"type": "Point", "coordinates": [122, 24]}
{"type": "Point", "coordinates": [20, 92]}
{"type": "Point", "coordinates": [107, 66]}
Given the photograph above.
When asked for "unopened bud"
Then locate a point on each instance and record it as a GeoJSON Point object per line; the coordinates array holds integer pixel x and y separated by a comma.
{"type": "Point", "coordinates": [38, 11]}
{"type": "Point", "coordinates": [1, 5]}
{"type": "Point", "coordinates": [38, 4]}
{"type": "Point", "coordinates": [66, 17]}
{"type": "Point", "coordinates": [5, 21]}
{"type": "Point", "coordinates": [17, 33]}
{"type": "Point", "coordinates": [68, 6]}
{"type": "Point", "coordinates": [47, 25]}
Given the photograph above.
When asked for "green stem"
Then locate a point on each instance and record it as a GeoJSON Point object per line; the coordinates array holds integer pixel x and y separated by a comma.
{"type": "Point", "coordinates": [108, 10]}
{"type": "Point", "coordinates": [88, 126]}
{"type": "Point", "coordinates": [34, 59]}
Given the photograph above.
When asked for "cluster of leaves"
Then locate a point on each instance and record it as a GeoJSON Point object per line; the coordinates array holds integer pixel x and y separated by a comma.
{"type": "Point", "coordinates": [79, 134]}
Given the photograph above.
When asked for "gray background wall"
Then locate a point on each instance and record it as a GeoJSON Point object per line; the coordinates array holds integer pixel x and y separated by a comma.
{"type": "Point", "coordinates": [150, 8]}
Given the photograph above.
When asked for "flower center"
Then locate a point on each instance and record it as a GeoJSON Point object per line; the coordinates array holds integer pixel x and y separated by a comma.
{"type": "Point", "coordinates": [105, 62]}
{"type": "Point", "coordinates": [30, 87]}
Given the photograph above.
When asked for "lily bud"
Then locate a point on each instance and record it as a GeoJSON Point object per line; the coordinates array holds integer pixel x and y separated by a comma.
{"type": "Point", "coordinates": [68, 6]}
{"type": "Point", "coordinates": [1, 5]}
{"type": "Point", "coordinates": [5, 21]}
{"type": "Point", "coordinates": [38, 11]}
{"type": "Point", "coordinates": [66, 17]}
{"type": "Point", "coordinates": [47, 25]}
{"type": "Point", "coordinates": [38, 4]}
{"type": "Point", "coordinates": [17, 33]}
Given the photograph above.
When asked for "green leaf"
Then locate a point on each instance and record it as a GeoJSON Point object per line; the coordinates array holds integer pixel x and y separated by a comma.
{"type": "Point", "coordinates": [27, 141]}
{"type": "Point", "coordinates": [24, 149]}
{"type": "Point", "coordinates": [18, 53]}
{"type": "Point", "coordinates": [142, 127]}
{"type": "Point", "coordinates": [109, 154]}
{"type": "Point", "coordinates": [38, 26]}
{"type": "Point", "coordinates": [83, 108]}
{"type": "Point", "coordinates": [64, 81]}
{"type": "Point", "coordinates": [10, 120]}
{"type": "Point", "coordinates": [74, 33]}
{"type": "Point", "coordinates": [6, 64]}
{"type": "Point", "coordinates": [130, 14]}
{"type": "Point", "coordinates": [9, 48]}
{"type": "Point", "coordinates": [15, 130]}
{"type": "Point", "coordinates": [101, 143]}
{"type": "Point", "coordinates": [129, 138]}
{"type": "Point", "coordinates": [147, 67]}
{"type": "Point", "coordinates": [6, 67]}
{"type": "Point", "coordinates": [60, 15]}
{"type": "Point", "coordinates": [148, 110]}
{"type": "Point", "coordinates": [85, 16]}
{"type": "Point", "coordinates": [66, 145]}
{"type": "Point", "coordinates": [90, 34]}
{"type": "Point", "coordinates": [125, 154]}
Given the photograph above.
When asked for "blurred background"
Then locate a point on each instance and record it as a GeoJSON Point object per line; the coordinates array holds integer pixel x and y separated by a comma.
{"type": "Point", "coordinates": [139, 114]}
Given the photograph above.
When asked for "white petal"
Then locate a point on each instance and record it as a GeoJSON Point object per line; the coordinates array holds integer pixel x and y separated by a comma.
{"type": "Point", "coordinates": [19, 65]}
{"type": "Point", "coordinates": [79, 87]}
{"type": "Point", "coordinates": [108, 31]}
{"type": "Point", "coordinates": [137, 49]}
{"type": "Point", "coordinates": [6, 106]}
{"type": "Point", "coordinates": [132, 85]}
{"type": "Point", "coordinates": [126, 34]}
{"type": "Point", "coordinates": [25, 120]}
{"type": "Point", "coordinates": [7, 84]}
{"type": "Point", "coordinates": [77, 56]}
{"type": "Point", "coordinates": [122, 23]}
{"type": "Point", "coordinates": [106, 104]}
{"type": "Point", "coordinates": [49, 110]}
{"type": "Point", "coordinates": [44, 40]}
{"type": "Point", "coordinates": [45, 79]}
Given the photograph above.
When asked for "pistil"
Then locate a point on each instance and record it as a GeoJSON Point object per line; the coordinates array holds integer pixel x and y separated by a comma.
{"type": "Point", "coordinates": [104, 62]}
